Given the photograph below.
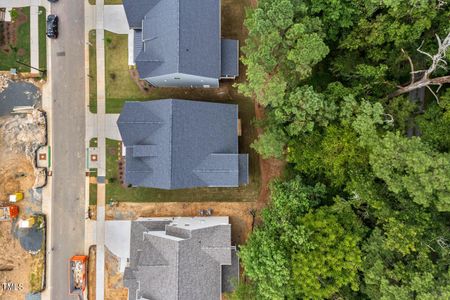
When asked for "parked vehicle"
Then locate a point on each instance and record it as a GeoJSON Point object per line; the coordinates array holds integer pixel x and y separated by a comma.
{"type": "Point", "coordinates": [77, 274]}
{"type": "Point", "coordinates": [52, 26]}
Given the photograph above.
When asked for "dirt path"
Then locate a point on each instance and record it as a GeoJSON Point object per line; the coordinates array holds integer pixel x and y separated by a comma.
{"type": "Point", "coordinates": [270, 168]}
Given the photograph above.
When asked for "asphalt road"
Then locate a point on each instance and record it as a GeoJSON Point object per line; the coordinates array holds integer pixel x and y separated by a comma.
{"type": "Point", "coordinates": [68, 150]}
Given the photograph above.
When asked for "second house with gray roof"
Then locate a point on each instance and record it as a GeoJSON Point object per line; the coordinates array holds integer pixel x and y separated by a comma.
{"type": "Point", "coordinates": [176, 144]}
{"type": "Point", "coordinates": [177, 43]}
{"type": "Point", "coordinates": [177, 258]}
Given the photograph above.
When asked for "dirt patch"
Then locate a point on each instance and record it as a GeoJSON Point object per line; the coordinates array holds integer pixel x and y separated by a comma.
{"type": "Point", "coordinates": [270, 168]}
{"type": "Point", "coordinates": [20, 137]}
{"type": "Point", "coordinates": [239, 213]}
{"type": "Point", "coordinates": [114, 289]}
{"type": "Point", "coordinates": [16, 174]}
{"type": "Point", "coordinates": [18, 260]}
{"type": "Point", "coordinates": [92, 273]}
{"type": "Point", "coordinates": [4, 82]}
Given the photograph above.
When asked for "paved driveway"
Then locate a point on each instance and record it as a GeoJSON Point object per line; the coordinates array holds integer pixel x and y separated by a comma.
{"type": "Point", "coordinates": [115, 19]}
{"type": "Point", "coordinates": [111, 128]}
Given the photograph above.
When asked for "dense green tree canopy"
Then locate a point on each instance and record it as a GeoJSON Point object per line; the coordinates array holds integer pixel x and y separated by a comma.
{"type": "Point", "coordinates": [330, 257]}
{"type": "Point", "coordinates": [364, 211]}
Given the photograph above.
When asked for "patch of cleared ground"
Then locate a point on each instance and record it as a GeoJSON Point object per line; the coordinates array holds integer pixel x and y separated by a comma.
{"type": "Point", "coordinates": [114, 289]}
{"type": "Point", "coordinates": [17, 260]}
{"type": "Point", "coordinates": [240, 215]}
{"type": "Point", "coordinates": [20, 136]}
{"type": "Point", "coordinates": [16, 174]}
{"type": "Point", "coordinates": [92, 273]}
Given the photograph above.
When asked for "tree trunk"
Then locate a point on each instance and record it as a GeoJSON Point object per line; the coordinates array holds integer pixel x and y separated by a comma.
{"type": "Point", "coordinates": [419, 84]}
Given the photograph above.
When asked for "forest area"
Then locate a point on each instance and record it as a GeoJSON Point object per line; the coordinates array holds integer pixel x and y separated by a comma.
{"type": "Point", "coordinates": [357, 105]}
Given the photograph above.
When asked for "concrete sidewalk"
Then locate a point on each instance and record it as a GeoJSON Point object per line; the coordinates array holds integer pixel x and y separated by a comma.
{"type": "Point", "coordinates": [100, 124]}
{"type": "Point", "coordinates": [34, 38]}
{"type": "Point", "coordinates": [101, 140]}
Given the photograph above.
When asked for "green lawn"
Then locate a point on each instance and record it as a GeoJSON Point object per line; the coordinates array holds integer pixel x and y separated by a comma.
{"type": "Point", "coordinates": [93, 191]}
{"type": "Point", "coordinates": [21, 50]}
{"type": "Point", "coordinates": [42, 39]}
{"type": "Point", "coordinates": [92, 72]}
{"type": "Point", "coordinates": [118, 82]}
{"type": "Point", "coordinates": [93, 142]}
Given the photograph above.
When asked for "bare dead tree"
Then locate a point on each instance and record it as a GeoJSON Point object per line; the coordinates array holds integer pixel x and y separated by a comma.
{"type": "Point", "coordinates": [441, 3]}
{"type": "Point", "coordinates": [422, 78]}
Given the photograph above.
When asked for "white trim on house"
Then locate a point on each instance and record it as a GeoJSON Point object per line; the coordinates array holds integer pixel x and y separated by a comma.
{"type": "Point", "coordinates": [131, 47]}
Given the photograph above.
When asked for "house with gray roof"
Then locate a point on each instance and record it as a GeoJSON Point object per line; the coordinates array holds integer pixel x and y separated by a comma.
{"type": "Point", "coordinates": [180, 258]}
{"type": "Point", "coordinates": [176, 144]}
{"type": "Point", "coordinates": [178, 43]}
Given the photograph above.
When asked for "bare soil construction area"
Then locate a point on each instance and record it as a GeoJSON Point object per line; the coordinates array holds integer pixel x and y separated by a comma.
{"type": "Point", "coordinates": [15, 266]}
{"type": "Point", "coordinates": [16, 173]}
{"type": "Point", "coordinates": [20, 137]}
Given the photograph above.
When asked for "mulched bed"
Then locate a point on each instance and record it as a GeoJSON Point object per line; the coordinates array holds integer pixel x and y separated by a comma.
{"type": "Point", "coordinates": [8, 32]}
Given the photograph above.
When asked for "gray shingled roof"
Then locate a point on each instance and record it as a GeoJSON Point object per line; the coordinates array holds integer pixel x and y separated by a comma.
{"type": "Point", "coordinates": [135, 11]}
{"type": "Point", "coordinates": [230, 273]}
{"type": "Point", "coordinates": [178, 36]}
{"type": "Point", "coordinates": [166, 267]}
{"type": "Point", "coordinates": [174, 144]}
{"type": "Point", "coordinates": [230, 58]}
{"type": "Point", "coordinates": [137, 43]}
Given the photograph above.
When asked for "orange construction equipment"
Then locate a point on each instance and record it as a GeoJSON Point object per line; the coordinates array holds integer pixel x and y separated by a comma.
{"type": "Point", "coordinates": [77, 274]}
{"type": "Point", "coordinates": [8, 212]}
